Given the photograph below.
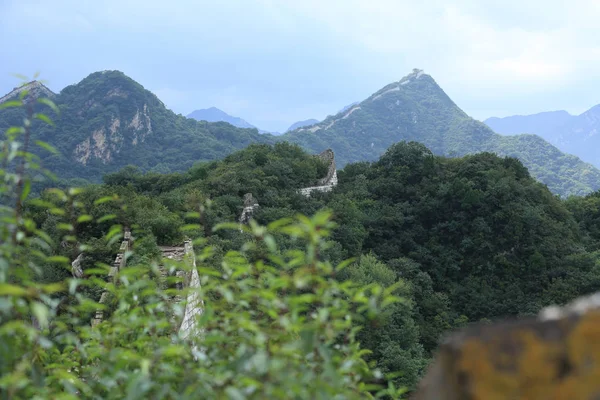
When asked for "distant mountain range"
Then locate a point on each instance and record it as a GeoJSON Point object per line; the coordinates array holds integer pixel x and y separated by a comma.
{"type": "Point", "coordinates": [575, 134]}
{"type": "Point", "coordinates": [213, 114]}
{"type": "Point", "coordinates": [108, 121]}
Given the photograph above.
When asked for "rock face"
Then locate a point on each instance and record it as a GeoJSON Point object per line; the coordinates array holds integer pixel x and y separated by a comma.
{"type": "Point", "coordinates": [330, 180]}
{"type": "Point", "coordinates": [554, 356]}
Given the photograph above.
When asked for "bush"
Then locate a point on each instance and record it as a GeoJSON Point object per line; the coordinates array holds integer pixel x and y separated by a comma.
{"type": "Point", "coordinates": [274, 326]}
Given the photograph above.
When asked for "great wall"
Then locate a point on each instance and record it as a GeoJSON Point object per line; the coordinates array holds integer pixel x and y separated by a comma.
{"type": "Point", "coordinates": [188, 276]}
{"type": "Point", "coordinates": [325, 184]}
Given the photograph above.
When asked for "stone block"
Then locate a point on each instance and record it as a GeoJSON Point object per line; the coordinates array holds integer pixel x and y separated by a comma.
{"type": "Point", "coordinates": [554, 356]}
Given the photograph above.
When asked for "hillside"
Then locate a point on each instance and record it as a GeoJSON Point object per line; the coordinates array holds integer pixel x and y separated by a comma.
{"type": "Point", "coordinates": [417, 109]}
{"type": "Point", "coordinates": [467, 238]}
{"type": "Point", "coordinates": [108, 121]}
{"type": "Point", "coordinates": [573, 134]}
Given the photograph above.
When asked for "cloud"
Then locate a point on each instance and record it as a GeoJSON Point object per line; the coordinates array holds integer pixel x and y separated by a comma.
{"type": "Point", "coordinates": [290, 59]}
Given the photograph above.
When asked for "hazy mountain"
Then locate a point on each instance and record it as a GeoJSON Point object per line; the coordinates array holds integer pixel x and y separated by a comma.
{"type": "Point", "coordinates": [213, 114]}
{"type": "Point", "coordinates": [301, 124]}
{"type": "Point", "coordinates": [574, 134]}
{"type": "Point", "coordinates": [417, 109]}
{"type": "Point", "coordinates": [108, 121]}
{"type": "Point", "coordinates": [542, 124]}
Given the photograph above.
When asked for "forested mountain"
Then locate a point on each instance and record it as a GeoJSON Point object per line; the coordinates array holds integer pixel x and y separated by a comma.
{"type": "Point", "coordinates": [301, 124]}
{"type": "Point", "coordinates": [108, 121]}
{"type": "Point", "coordinates": [466, 239]}
{"type": "Point", "coordinates": [416, 108]}
{"type": "Point", "coordinates": [573, 134]}
{"type": "Point", "coordinates": [213, 114]}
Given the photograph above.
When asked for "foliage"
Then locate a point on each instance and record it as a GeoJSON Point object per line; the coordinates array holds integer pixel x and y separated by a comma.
{"type": "Point", "coordinates": [457, 239]}
{"type": "Point", "coordinates": [471, 238]}
{"type": "Point", "coordinates": [276, 323]}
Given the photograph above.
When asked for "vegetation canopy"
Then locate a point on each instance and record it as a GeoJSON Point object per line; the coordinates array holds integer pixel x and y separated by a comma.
{"type": "Point", "coordinates": [276, 322]}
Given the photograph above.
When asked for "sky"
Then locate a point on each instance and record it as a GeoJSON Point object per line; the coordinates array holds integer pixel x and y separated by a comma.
{"type": "Point", "coordinates": [276, 62]}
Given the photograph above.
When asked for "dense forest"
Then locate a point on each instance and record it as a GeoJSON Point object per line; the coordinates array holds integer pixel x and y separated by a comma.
{"type": "Point", "coordinates": [463, 239]}
{"type": "Point", "coordinates": [362, 281]}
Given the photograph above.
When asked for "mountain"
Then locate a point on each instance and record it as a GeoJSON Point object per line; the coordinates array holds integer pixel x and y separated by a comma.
{"type": "Point", "coordinates": [574, 134]}
{"type": "Point", "coordinates": [301, 124]}
{"type": "Point", "coordinates": [213, 114]}
{"type": "Point", "coordinates": [541, 124]}
{"type": "Point", "coordinates": [35, 88]}
{"type": "Point", "coordinates": [108, 121]}
{"type": "Point", "coordinates": [417, 109]}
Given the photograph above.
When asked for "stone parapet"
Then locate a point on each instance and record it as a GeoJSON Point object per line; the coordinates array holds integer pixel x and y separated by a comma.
{"type": "Point", "coordinates": [554, 356]}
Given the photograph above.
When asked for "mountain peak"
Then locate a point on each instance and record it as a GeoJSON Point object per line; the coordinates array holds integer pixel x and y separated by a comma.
{"type": "Point", "coordinates": [34, 88]}
{"type": "Point", "coordinates": [102, 85]}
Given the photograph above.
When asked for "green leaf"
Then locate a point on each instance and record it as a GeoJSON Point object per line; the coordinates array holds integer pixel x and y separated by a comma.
{"type": "Point", "coordinates": [49, 103]}
{"type": "Point", "coordinates": [10, 104]}
{"type": "Point", "coordinates": [46, 146]}
{"type": "Point", "coordinates": [64, 227]}
{"type": "Point", "coordinates": [58, 259]}
{"type": "Point", "coordinates": [21, 78]}
{"type": "Point", "coordinates": [43, 117]}
{"type": "Point", "coordinates": [105, 218]}
{"type": "Point", "coordinates": [7, 289]}
{"type": "Point", "coordinates": [84, 218]}
{"type": "Point", "coordinates": [75, 191]}
{"type": "Point", "coordinates": [26, 189]}
{"type": "Point", "coordinates": [15, 130]}
{"type": "Point", "coordinates": [105, 199]}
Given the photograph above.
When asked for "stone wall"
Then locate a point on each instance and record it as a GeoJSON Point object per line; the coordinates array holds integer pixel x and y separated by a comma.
{"type": "Point", "coordinates": [194, 306]}
{"type": "Point", "coordinates": [118, 264]}
{"type": "Point", "coordinates": [553, 356]}
{"type": "Point", "coordinates": [250, 205]}
{"type": "Point", "coordinates": [330, 180]}
{"type": "Point", "coordinates": [189, 276]}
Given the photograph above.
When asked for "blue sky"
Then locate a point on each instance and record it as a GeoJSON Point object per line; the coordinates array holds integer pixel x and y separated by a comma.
{"type": "Point", "coordinates": [276, 62]}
